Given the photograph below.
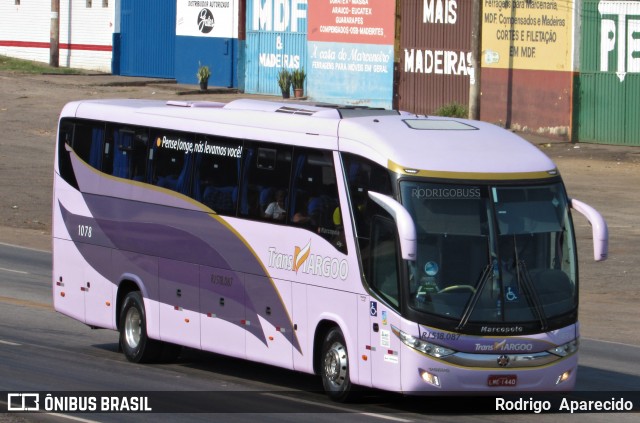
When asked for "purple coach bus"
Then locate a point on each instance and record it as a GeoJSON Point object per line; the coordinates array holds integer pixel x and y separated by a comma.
{"type": "Point", "coordinates": [372, 247]}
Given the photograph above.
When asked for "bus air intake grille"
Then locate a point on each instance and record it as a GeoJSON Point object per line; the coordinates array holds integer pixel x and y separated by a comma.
{"type": "Point", "coordinates": [295, 111]}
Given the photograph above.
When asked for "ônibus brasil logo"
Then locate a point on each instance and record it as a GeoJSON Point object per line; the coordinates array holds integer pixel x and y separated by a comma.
{"type": "Point", "coordinates": [302, 261]}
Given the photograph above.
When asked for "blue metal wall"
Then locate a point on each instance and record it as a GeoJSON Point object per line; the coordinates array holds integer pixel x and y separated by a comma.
{"type": "Point", "coordinates": [220, 54]}
{"type": "Point", "coordinates": [147, 38]}
{"type": "Point", "coordinates": [148, 46]}
{"type": "Point", "coordinates": [276, 38]}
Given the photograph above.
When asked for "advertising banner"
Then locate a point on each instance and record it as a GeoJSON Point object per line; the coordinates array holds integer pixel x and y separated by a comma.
{"type": "Point", "coordinates": [204, 18]}
{"type": "Point", "coordinates": [352, 21]}
{"type": "Point", "coordinates": [527, 34]}
{"type": "Point", "coordinates": [351, 51]}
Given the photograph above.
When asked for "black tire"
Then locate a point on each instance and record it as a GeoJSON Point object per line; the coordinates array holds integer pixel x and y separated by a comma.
{"type": "Point", "coordinates": [334, 366]}
{"type": "Point", "coordinates": [134, 342]}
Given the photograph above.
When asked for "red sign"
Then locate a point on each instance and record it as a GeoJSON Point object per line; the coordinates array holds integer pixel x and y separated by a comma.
{"type": "Point", "coordinates": [352, 21]}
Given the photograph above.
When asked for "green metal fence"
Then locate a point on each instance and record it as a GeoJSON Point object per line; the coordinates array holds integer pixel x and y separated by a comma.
{"type": "Point", "coordinates": [607, 89]}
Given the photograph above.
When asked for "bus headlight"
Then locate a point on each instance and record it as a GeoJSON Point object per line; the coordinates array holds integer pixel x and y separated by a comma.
{"type": "Point", "coordinates": [566, 349]}
{"type": "Point", "coordinates": [424, 347]}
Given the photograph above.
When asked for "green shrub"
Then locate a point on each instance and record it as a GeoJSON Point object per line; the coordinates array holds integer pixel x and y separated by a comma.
{"type": "Point", "coordinates": [284, 80]}
{"type": "Point", "coordinates": [453, 110]}
{"type": "Point", "coordinates": [297, 78]}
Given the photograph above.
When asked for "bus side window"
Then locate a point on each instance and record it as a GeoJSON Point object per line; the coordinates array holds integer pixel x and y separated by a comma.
{"type": "Point", "coordinates": [171, 161]}
{"type": "Point", "coordinates": [64, 161]}
{"type": "Point", "coordinates": [88, 143]}
{"type": "Point", "coordinates": [362, 176]}
{"type": "Point", "coordinates": [314, 195]}
{"type": "Point", "coordinates": [266, 173]}
{"type": "Point", "coordinates": [127, 147]}
{"type": "Point", "coordinates": [217, 173]}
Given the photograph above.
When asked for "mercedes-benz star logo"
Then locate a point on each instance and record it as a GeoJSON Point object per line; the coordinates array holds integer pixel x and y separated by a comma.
{"type": "Point", "coordinates": [503, 361]}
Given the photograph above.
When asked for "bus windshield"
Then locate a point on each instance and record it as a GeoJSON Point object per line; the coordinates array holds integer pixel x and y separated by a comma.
{"type": "Point", "coordinates": [491, 254]}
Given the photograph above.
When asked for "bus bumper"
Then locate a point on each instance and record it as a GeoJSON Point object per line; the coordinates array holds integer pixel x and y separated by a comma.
{"type": "Point", "coordinates": [422, 375]}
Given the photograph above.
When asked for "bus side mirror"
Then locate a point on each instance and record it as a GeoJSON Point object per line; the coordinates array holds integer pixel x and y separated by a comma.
{"type": "Point", "coordinates": [598, 226]}
{"type": "Point", "coordinates": [404, 222]}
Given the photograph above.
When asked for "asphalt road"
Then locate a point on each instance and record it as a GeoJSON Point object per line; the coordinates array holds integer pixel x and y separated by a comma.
{"type": "Point", "coordinates": [43, 351]}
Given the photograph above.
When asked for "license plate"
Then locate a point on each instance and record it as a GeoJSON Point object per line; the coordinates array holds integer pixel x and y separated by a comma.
{"type": "Point", "coordinates": [502, 380]}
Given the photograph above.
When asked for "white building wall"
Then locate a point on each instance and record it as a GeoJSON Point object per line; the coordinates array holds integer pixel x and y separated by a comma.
{"type": "Point", "coordinates": [24, 29]}
{"type": "Point", "coordinates": [85, 39]}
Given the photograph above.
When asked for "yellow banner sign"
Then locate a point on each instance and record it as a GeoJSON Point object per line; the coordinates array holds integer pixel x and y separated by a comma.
{"type": "Point", "coordinates": [527, 34]}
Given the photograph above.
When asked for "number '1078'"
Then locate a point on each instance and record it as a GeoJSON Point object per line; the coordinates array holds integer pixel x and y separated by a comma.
{"type": "Point", "coordinates": [84, 231]}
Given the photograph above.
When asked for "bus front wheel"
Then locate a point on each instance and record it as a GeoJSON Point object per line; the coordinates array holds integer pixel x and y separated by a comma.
{"type": "Point", "coordinates": [135, 343]}
{"type": "Point", "coordinates": [334, 367]}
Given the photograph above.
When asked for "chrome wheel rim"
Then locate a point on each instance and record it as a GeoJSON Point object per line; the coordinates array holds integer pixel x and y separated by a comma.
{"type": "Point", "coordinates": [335, 364]}
{"type": "Point", "coordinates": [133, 327]}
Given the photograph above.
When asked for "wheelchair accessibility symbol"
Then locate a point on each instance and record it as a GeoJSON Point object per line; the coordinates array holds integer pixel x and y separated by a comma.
{"type": "Point", "coordinates": [511, 295]}
{"type": "Point", "coordinates": [373, 307]}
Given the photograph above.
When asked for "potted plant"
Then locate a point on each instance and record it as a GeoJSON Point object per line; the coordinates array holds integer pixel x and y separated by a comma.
{"type": "Point", "coordinates": [203, 76]}
{"type": "Point", "coordinates": [284, 82]}
{"type": "Point", "coordinates": [297, 79]}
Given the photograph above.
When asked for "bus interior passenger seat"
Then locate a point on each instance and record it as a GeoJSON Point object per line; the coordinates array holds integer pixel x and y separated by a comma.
{"type": "Point", "coordinates": [321, 210]}
{"type": "Point", "coordinates": [220, 199]}
{"type": "Point", "coordinates": [169, 182]}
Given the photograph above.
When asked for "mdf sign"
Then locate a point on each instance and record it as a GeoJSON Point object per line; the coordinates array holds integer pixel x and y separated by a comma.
{"type": "Point", "coordinates": [279, 15]}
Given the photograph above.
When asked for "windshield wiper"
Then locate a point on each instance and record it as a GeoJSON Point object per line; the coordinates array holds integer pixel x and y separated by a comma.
{"type": "Point", "coordinates": [471, 305]}
{"type": "Point", "coordinates": [524, 278]}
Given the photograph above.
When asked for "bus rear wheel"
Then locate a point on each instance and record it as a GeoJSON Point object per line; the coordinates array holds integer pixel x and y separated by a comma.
{"type": "Point", "coordinates": [135, 344]}
{"type": "Point", "coordinates": [334, 368]}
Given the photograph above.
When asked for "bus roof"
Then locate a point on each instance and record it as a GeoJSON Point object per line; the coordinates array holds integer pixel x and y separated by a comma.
{"type": "Point", "coordinates": [411, 144]}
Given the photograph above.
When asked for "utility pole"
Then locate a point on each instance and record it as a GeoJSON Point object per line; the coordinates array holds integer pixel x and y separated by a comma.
{"type": "Point", "coordinates": [476, 54]}
{"type": "Point", "coordinates": [54, 44]}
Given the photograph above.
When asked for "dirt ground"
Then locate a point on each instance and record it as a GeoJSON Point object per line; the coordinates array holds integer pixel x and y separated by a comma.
{"type": "Point", "coordinates": [606, 177]}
